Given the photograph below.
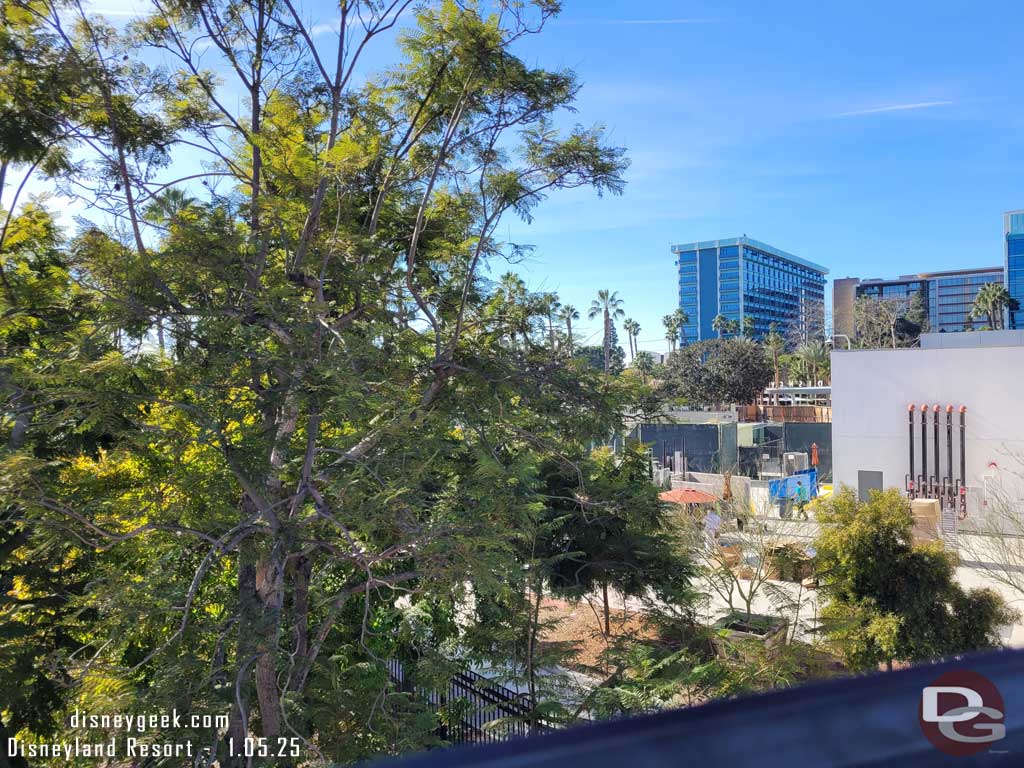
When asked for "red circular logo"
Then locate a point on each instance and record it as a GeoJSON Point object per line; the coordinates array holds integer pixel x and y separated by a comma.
{"type": "Point", "coordinates": [962, 713]}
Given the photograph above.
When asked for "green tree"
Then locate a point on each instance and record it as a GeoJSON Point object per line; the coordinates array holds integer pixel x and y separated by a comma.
{"type": "Point", "coordinates": [593, 356]}
{"type": "Point", "coordinates": [344, 392]}
{"type": "Point", "coordinates": [49, 342]}
{"type": "Point", "coordinates": [607, 306]}
{"type": "Point", "coordinates": [644, 363]}
{"type": "Point", "coordinates": [718, 371]}
{"type": "Point", "coordinates": [611, 533]}
{"type": "Point", "coordinates": [889, 599]}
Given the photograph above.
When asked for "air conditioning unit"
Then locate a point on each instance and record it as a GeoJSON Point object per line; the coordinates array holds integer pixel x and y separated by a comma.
{"type": "Point", "coordinates": [793, 462]}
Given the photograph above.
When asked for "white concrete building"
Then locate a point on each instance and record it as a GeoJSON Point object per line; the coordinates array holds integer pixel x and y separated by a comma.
{"type": "Point", "coordinates": [871, 392]}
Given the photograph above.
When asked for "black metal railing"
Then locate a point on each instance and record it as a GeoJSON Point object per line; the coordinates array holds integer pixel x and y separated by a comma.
{"type": "Point", "coordinates": [474, 708]}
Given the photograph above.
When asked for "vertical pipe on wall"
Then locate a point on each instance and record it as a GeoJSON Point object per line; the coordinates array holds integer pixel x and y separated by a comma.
{"type": "Point", "coordinates": [948, 479]}
{"type": "Point", "coordinates": [963, 462]}
{"type": "Point", "coordinates": [924, 450]}
{"type": "Point", "coordinates": [938, 472]}
{"type": "Point", "coordinates": [910, 477]}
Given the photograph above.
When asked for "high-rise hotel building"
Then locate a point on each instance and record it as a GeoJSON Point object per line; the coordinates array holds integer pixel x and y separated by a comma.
{"type": "Point", "coordinates": [739, 278]}
{"type": "Point", "coordinates": [1013, 236]}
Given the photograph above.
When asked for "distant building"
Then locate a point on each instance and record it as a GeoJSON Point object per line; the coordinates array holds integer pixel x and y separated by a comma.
{"type": "Point", "coordinates": [1013, 238]}
{"type": "Point", "coordinates": [946, 297]}
{"type": "Point", "coordinates": [844, 294]}
{"type": "Point", "coordinates": [740, 278]}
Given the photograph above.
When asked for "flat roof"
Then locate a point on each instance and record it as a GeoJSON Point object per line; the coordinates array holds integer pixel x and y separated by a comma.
{"type": "Point", "coordinates": [975, 271]}
{"type": "Point", "coordinates": [931, 275]}
{"type": "Point", "coordinates": [822, 390]}
{"type": "Point", "coordinates": [749, 241]}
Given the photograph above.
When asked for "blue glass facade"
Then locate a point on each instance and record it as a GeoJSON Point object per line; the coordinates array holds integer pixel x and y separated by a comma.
{"type": "Point", "coordinates": [1014, 230]}
{"type": "Point", "coordinates": [952, 299]}
{"type": "Point", "coordinates": [741, 278]}
{"type": "Point", "coordinates": [946, 297]}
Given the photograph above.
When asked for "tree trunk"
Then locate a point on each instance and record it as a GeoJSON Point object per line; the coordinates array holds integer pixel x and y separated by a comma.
{"type": "Point", "coordinates": [269, 592]}
{"type": "Point", "coordinates": [248, 616]}
{"type": "Point", "coordinates": [531, 667]}
{"type": "Point", "coordinates": [607, 611]}
{"type": "Point", "coordinates": [607, 342]}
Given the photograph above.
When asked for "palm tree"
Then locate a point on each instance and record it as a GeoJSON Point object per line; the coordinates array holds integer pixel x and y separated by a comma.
{"type": "Point", "coordinates": [513, 290]}
{"type": "Point", "coordinates": [632, 328]}
{"type": "Point", "coordinates": [671, 332]}
{"type": "Point", "coordinates": [512, 286]}
{"type": "Point", "coordinates": [551, 304]}
{"type": "Point", "coordinates": [748, 326]}
{"type": "Point", "coordinates": [813, 354]}
{"type": "Point", "coordinates": [609, 305]}
{"type": "Point", "coordinates": [720, 325]}
{"type": "Point", "coordinates": [567, 314]}
{"type": "Point", "coordinates": [990, 302]}
{"type": "Point", "coordinates": [167, 205]}
{"type": "Point", "coordinates": [775, 344]}
{"type": "Point", "coordinates": [675, 325]}
{"type": "Point", "coordinates": [644, 363]}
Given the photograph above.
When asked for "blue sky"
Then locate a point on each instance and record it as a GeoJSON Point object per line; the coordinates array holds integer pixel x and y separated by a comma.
{"type": "Point", "coordinates": [876, 138]}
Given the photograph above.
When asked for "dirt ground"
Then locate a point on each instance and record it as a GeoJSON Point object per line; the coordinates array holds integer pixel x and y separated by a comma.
{"type": "Point", "coordinates": [581, 624]}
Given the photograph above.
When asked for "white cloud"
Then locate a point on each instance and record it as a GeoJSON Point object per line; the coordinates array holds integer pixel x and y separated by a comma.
{"type": "Point", "coordinates": [895, 108]}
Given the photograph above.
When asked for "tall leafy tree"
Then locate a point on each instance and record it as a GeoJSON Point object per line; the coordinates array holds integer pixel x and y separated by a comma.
{"type": "Point", "coordinates": [612, 533]}
{"type": "Point", "coordinates": [49, 343]}
{"type": "Point", "coordinates": [717, 372]}
{"type": "Point", "coordinates": [340, 398]}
